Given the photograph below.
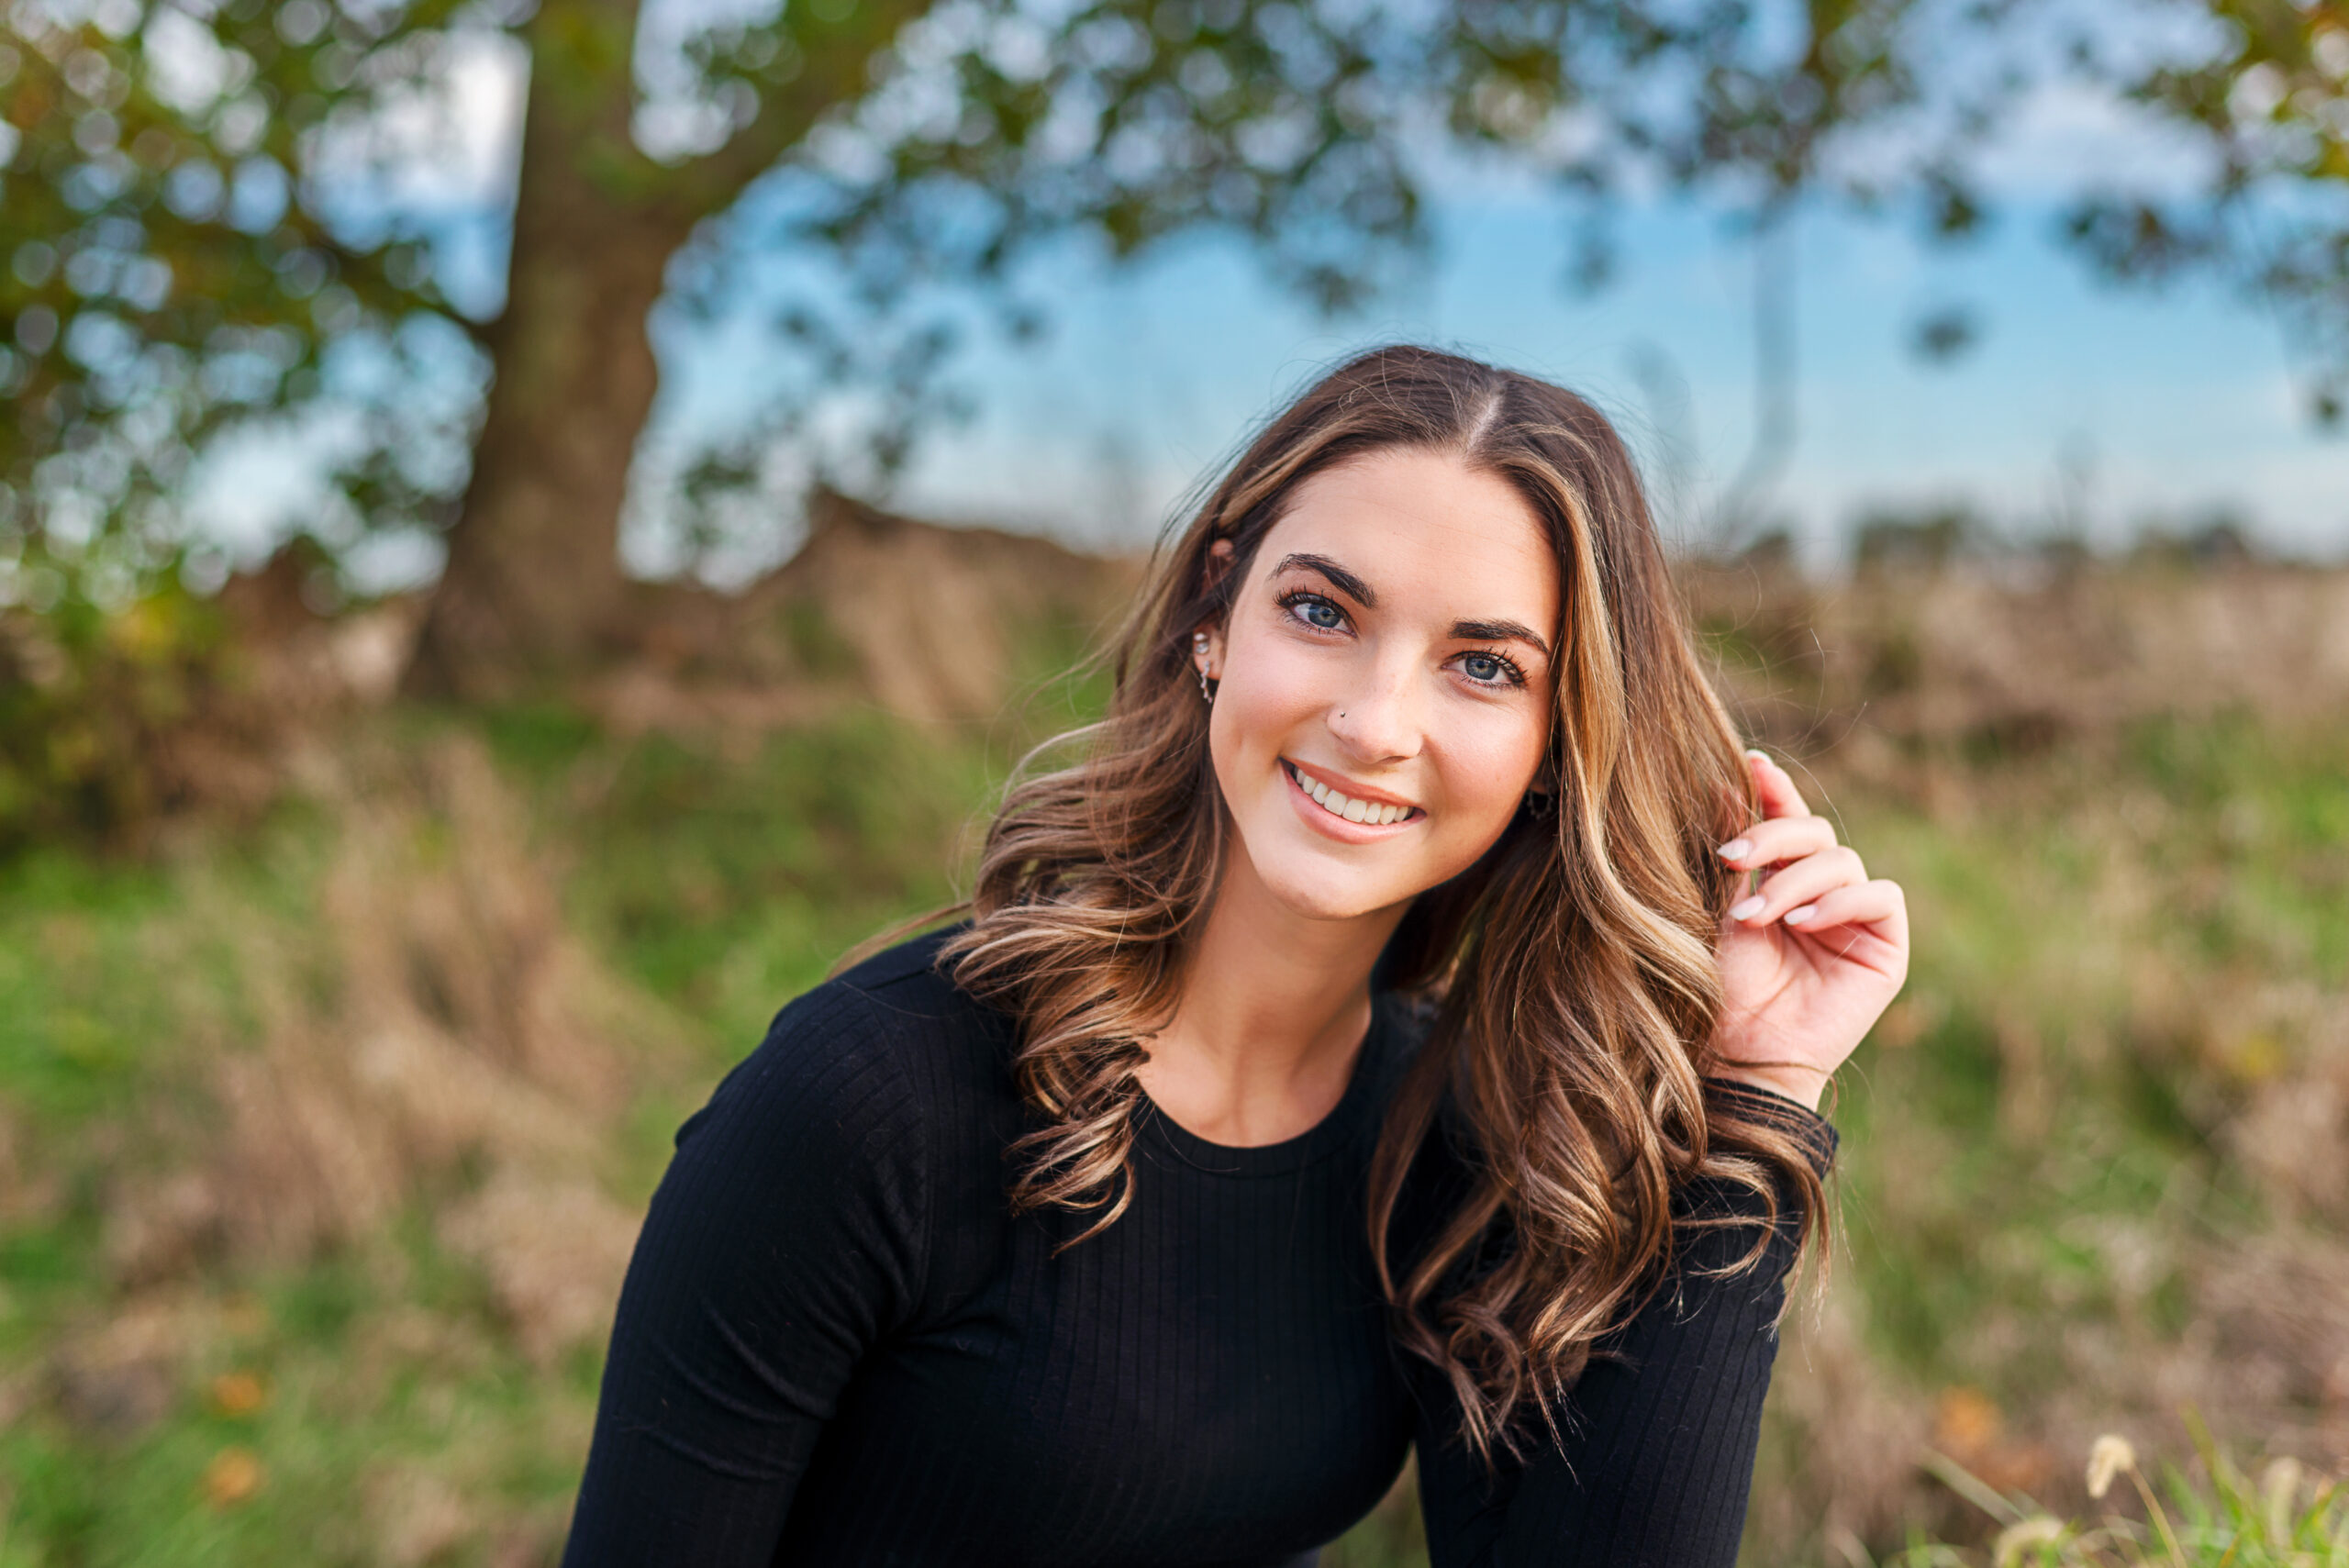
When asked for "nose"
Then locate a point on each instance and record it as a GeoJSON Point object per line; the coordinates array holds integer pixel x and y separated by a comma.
{"type": "Point", "coordinates": [1379, 721]}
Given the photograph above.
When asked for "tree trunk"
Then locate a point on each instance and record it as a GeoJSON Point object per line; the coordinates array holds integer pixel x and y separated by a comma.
{"type": "Point", "coordinates": [533, 590]}
{"type": "Point", "coordinates": [533, 586]}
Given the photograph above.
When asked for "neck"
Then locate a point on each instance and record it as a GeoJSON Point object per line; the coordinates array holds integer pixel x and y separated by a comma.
{"type": "Point", "coordinates": [1272, 1017]}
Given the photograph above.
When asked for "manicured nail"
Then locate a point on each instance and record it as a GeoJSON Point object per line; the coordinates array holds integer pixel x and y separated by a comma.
{"type": "Point", "coordinates": [1747, 909]}
{"type": "Point", "coordinates": [1736, 849]}
{"type": "Point", "coordinates": [1799, 917]}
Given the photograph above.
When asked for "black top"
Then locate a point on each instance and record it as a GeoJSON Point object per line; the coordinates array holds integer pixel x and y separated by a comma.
{"type": "Point", "coordinates": [835, 1346]}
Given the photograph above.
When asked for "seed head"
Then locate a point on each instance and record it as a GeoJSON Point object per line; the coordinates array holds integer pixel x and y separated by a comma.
{"type": "Point", "coordinates": [2017, 1540]}
{"type": "Point", "coordinates": [2108, 1458]}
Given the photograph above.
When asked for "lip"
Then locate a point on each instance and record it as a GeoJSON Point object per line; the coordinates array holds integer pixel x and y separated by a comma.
{"type": "Point", "coordinates": [1337, 828]}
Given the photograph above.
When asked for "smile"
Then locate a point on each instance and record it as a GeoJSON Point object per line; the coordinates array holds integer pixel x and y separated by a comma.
{"type": "Point", "coordinates": [1368, 813]}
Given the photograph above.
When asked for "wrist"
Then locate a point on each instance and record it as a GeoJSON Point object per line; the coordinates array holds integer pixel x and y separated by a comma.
{"type": "Point", "coordinates": [1803, 1085]}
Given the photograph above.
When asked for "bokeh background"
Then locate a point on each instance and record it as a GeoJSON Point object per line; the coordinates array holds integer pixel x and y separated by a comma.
{"type": "Point", "coordinates": [526, 531]}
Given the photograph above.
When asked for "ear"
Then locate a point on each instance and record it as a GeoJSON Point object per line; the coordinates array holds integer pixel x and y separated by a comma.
{"type": "Point", "coordinates": [1219, 559]}
{"type": "Point", "coordinates": [1207, 638]}
{"type": "Point", "coordinates": [1206, 649]}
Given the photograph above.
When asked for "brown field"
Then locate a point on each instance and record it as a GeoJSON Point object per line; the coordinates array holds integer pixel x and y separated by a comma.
{"type": "Point", "coordinates": [344, 1037]}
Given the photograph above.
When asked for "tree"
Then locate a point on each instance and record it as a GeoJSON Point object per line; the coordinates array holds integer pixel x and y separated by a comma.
{"type": "Point", "coordinates": [2265, 90]}
{"type": "Point", "coordinates": [197, 233]}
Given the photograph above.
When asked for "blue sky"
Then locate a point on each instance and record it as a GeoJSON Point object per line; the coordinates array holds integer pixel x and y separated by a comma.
{"type": "Point", "coordinates": [2105, 406]}
{"type": "Point", "coordinates": [2111, 407]}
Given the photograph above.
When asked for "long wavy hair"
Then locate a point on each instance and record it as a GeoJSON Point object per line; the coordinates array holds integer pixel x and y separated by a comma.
{"type": "Point", "coordinates": [1570, 975]}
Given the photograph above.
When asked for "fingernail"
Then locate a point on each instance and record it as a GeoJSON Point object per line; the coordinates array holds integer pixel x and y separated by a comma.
{"type": "Point", "coordinates": [1758, 754]}
{"type": "Point", "coordinates": [1796, 917]}
{"type": "Point", "coordinates": [1747, 909]}
{"type": "Point", "coordinates": [1736, 849]}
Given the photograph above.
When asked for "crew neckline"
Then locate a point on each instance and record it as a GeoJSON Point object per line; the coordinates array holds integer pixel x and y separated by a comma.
{"type": "Point", "coordinates": [1324, 1138]}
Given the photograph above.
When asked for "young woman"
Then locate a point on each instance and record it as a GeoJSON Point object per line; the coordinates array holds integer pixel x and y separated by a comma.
{"type": "Point", "coordinates": [1368, 1043]}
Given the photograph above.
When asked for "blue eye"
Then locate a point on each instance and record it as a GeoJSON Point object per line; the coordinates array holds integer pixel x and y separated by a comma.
{"type": "Point", "coordinates": [1491, 670]}
{"type": "Point", "coordinates": [1313, 610]}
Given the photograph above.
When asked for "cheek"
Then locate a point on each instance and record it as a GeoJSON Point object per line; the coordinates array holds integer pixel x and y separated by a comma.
{"type": "Point", "coordinates": [1274, 688]}
{"type": "Point", "coordinates": [1489, 762]}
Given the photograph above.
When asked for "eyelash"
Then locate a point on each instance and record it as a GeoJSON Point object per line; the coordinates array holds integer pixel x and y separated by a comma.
{"type": "Point", "coordinates": [1296, 597]}
{"type": "Point", "coordinates": [1512, 673]}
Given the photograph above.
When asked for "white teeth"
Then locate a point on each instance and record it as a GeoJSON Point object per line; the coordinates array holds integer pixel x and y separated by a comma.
{"type": "Point", "coordinates": [1338, 804]}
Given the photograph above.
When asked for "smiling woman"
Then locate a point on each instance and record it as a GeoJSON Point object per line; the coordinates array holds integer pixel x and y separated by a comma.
{"type": "Point", "coordinates": [1368, 1042]}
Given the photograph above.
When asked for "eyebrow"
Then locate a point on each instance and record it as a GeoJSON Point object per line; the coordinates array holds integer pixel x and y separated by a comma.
{"type": "Point", "coordinates": [1499, 631]}
{"type": "Point", "coordinates": [1345, 582]}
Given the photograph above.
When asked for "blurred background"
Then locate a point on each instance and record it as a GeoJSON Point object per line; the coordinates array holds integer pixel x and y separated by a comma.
{"type": "Point", "coordinates": [525, 530]}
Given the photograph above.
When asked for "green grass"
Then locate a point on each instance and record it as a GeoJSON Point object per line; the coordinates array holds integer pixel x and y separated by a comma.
{"type": "Point", "coordinates": [726, 883]}
{"type": "Point", "coordinates": [2210, 1515]}
{"type": "Point", "coordinates": [2083, 1014]}
{"type": "Point", "coordinates": [720, 880]}
{"type": "Point", "coordinates": [2099, 926]}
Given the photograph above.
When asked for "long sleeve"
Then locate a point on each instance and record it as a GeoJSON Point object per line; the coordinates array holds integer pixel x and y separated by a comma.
{"type": "Point", "coordinates": [1658, 1436]}
{"type": "Point", "coordinates": [789, 1235]}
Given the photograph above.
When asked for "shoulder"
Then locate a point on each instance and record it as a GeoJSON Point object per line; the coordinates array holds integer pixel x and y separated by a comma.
{"type": "Point", "coordinates": [824, 1164]}
{"type": "Point", "coordinates": [954, 1050]}
{"type": "Point", "coordinates": [907, 982]}
{"type": "Point", "coordinates": [875, 1063]}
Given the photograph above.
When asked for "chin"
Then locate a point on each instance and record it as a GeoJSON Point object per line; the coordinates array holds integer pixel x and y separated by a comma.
{"type": "Point", "coordinates": [1315, 885]}
{"type": "Point", "coordinates": [1326, 901]}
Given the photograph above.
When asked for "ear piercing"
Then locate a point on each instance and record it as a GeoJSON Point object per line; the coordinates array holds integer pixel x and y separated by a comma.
{"type": "Point", "coordinates": [1199, 650]}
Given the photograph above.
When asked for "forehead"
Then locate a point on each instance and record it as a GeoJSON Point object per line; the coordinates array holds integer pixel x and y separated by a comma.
{"type": "Point", "coordinates": [1424, 528]}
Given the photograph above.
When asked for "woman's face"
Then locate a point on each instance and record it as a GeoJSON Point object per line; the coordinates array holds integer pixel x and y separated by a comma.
{"type": "Point", "coordinates": [1387, 681]}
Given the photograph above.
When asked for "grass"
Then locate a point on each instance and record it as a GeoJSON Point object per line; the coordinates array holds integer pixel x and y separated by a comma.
{"type": "Point", "coordinates": [727, 883]}
{"type": "Point", "coordinates": [2214, 1516]}
{"type": "Point", "coordinates": [2128, 951]}
{"type": "Point", "coordinates": [2108, 956]}
{"type": "Point", "coordinates": [718, 880]}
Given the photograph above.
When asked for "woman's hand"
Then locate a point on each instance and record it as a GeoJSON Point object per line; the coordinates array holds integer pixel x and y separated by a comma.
{"type": "Point", "coordinates": [1812, 957]}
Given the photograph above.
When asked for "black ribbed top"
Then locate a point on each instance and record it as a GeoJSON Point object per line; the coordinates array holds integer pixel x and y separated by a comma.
{"type": "Point", "coordinates": [835, 1346]}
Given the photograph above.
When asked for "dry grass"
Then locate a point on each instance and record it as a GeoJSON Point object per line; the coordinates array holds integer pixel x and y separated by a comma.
{"type": "Point", "coordinates": [457, 1025]}
{"type": "Point", "coordinates": [321, 1141]}
{"type": "Point", "coordinates": [2020, 652]}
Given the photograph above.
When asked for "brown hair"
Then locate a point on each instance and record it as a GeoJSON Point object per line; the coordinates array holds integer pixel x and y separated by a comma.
{"type": "Point", "coordinates": [1570, 972]}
